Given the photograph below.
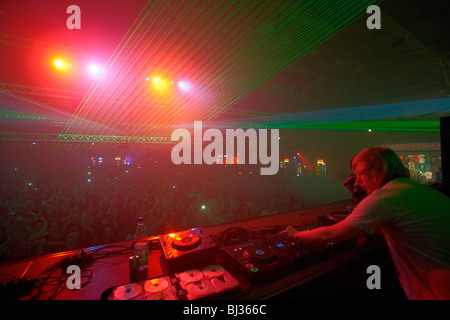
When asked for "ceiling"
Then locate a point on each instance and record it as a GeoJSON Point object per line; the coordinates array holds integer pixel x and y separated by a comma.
{"type": "Point", "coordinates": [279, 64]}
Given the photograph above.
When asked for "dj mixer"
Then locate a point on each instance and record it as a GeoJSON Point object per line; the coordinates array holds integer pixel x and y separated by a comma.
{"type": "Point", "coordinates": [272, 256]}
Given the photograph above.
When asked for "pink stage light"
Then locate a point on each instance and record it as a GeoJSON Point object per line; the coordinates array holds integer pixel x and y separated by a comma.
{"type": "Point", "coordinates": [95, 69]}
{"type": "Point", "coordinates": [183, 85]}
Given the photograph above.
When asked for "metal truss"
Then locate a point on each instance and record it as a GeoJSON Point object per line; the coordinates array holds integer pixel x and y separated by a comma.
{"type": "Point", "coordinates": [55, 137]}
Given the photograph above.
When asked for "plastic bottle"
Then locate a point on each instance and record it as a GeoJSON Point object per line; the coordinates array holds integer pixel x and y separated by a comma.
{"type": "Point", "coordinates": [141, 249]}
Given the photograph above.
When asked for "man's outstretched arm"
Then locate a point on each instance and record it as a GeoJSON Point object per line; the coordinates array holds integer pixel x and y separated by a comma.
{"type": "Point", "coordinates": [336, 233]}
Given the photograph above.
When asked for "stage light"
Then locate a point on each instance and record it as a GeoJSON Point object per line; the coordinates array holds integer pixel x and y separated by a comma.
{"type": "Point", "coordinates": [183, 85]}
{"type": "Point", "coordinates": [95, 70]}
{"type": "Point", "coordinates": [58, 63]}
{"type": "Point", "coordinates": [61, 64]}
{"type": "Point", "coordinates": [160, 84]}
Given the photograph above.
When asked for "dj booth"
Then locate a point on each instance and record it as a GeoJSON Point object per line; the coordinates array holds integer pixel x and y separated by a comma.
{"type": "Point", "coordinates": [246, 260]}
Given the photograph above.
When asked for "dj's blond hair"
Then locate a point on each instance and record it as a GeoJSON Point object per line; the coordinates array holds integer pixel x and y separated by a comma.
{"type": "Point", "coordinates": [382, 160]}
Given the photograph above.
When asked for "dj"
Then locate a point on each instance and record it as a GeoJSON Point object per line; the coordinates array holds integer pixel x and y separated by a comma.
{"type": "Point", "coordinates": [413, 218]}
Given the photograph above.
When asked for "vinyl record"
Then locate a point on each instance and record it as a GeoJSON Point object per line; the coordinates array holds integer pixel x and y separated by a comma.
{"type": "Point", "coordinates": [260, 253]}
{"type": "Point", "coordinates": [186, 242]}
{"type": "Point", "coordinates": [189, 276]}
{"type": "Point", "coordinates": [213, 271]}
{"type": "Point", "coordinates": [127, 291]}
{"type": "Point", "coordinates": [163, 295]}
{"type": "Point", "coordinates": [224, 282]}
{"type": "Point", "coordinates": [200, 289]}
{"type": "Point", "coordinates": [156, 285]}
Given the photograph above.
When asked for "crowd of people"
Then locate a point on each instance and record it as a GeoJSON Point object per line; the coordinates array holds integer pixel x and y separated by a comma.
{"type": "Point", "coordinates": [61, 205]}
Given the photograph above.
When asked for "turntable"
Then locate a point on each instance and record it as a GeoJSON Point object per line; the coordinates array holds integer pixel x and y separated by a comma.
{"type": "Point", "coordinates": [258, 260]}
{"type": "Point", "coordinates": [259, 253]}
{"type": "Point", "coordinates": [186, 241]}
{"type": "Point", "coordinates": [187, 249]}
{"type": "Point", "coordinates": [271, 256]}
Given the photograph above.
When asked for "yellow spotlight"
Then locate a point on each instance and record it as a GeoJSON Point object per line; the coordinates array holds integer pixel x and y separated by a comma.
{"type": "Point", "coordinates": [58, 63]}
{"type": "Point", "coordinates": [61, 64]}
{"type": "Point", "coordinates": [160, 84]}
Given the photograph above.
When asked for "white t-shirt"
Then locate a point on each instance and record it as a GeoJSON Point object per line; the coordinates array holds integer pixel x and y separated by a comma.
{"type": "Point", "coordinates": [415, 221]}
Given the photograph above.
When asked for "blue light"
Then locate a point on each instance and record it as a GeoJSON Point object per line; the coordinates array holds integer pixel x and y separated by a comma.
{"type": "Point", "coordinates": [360, 113]}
